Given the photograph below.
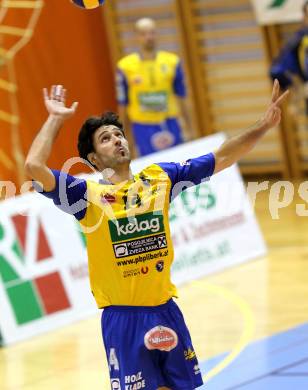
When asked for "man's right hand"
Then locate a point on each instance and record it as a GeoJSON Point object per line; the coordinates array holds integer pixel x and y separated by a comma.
{"type": "Point", "coordinates": [55, 102]}
{"type": "Point", "coordinates": [36, 161]}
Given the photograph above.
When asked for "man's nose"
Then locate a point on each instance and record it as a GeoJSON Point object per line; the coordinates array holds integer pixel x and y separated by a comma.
{"type": "Point", "coordinates": [117, 140]}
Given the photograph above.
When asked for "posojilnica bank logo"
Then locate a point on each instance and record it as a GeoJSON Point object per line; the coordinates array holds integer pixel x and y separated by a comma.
{"type": "Point", "coordinates": [30, 298]}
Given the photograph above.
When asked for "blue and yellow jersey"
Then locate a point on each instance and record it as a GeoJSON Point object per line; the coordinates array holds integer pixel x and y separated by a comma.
{"type": "Point", "coordinates": [129, 244]}
{"type": "Point", "coordinates": [293, 60]}
{"type": "Point", "coordinates": [149, 87]}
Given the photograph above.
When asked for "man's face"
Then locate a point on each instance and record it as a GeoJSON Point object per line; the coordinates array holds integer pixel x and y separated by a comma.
{"type": "Point", "coordinates": [111, 148]}
{"type": "Point", "coordinates": [147, 37]}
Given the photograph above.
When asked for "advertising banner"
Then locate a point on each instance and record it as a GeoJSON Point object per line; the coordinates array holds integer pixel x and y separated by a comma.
{"type": "Point", "coordinates": [278, 11]}
{"type": "Point", "coordinates": [43, 265]}
{"type": "Point", "coordinates": [43, 268]}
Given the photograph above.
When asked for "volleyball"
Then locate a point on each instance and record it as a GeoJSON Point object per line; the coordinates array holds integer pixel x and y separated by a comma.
{"type": "Point", "coordinates": [88, 4]}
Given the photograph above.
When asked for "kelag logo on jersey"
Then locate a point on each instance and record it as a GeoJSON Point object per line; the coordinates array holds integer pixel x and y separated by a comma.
{"type": "Point", "coordinates": [133, 232]}
{"type": "Point", "coordinates": [139, 226]}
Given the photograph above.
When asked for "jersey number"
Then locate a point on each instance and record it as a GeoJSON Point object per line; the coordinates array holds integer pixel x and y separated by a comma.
{"type": "Point", "coordinates": [113, 360]}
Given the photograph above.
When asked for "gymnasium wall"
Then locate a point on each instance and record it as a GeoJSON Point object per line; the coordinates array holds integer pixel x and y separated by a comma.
{"type": "Point", "coordinates": [225, 57]}
{"type": "Point", "coordinates": [225, 52]}
{"type": "Point", "coordinates": [68, 47]}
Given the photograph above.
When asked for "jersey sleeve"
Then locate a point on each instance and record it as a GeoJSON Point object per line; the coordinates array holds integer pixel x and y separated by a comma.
{"type": "Point", "coordinates": [69, 194]}
{"type": "Point", "coordinates": [179, 87]}
{"type": "Point", "coordinates": [121, 88]}
{"type": "Point", "coordinates": [283, 67]}
{"type": "Point", "coordinates": [189, 173]}
{"type": "Point", "coordinates": [287, 63]}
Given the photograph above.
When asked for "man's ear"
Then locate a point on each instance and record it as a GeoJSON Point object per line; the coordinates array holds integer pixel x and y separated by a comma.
{"type": "Point", "coordinates": [92, 158]}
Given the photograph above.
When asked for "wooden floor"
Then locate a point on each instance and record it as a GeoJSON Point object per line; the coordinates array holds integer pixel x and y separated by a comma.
{"type": "Point", "coordinates": [275, 288]}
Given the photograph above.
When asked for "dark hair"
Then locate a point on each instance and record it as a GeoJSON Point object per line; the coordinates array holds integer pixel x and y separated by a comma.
{"type": "Point", "coordinates": [86, 133]}
{"type": "Point", "coordinates": [305, 7]}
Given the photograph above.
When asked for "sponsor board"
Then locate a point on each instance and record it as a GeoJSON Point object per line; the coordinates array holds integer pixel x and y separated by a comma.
{"type": "Point", "coordinates": [278, 11]}
{"type": "Point", "coordinates": [43, 281]}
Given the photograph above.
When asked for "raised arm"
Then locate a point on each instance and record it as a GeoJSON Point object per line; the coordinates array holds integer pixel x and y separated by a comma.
{"type": "Point", "coordinates": [237, 147]}
{"type": "Point", "coordinates": [36, 161]}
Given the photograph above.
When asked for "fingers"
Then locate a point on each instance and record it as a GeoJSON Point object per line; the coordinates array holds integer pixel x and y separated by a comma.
{"type": "Point", "coordinates": [275, 94]}
{"type": "Point", "coordinates": [276, 114]}
{"type": "Point", "coordinates": [63, 95]}
{"type": "Point", "coordinates": [276, 91]}
{"type": "Point", "coordinates": [45, 94]}
{"type": "Point", "coordinates": [277, 117]}
{"type": "Point", "coordinates": [52, 92]}
{"type": "Point", "coordinates": [74, 106]}
{"type": "Point", "coordinates": [58, 93]}
{"type": "Point", "coordinates": [282, 98]}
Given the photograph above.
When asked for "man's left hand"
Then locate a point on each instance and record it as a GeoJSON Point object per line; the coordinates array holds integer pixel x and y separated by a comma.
{"type": "Point", "coordinates": [272, 116]}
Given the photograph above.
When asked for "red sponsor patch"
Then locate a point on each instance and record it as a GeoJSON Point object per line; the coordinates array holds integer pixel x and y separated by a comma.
{"type": "Point", "coordinates": [161, 338]}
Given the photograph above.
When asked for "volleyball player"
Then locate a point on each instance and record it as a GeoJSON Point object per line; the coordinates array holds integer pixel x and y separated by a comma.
{"type": "Point", "coordinates": [129, 245]}
{"type": "Point", "coordinates": [151, 93]}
